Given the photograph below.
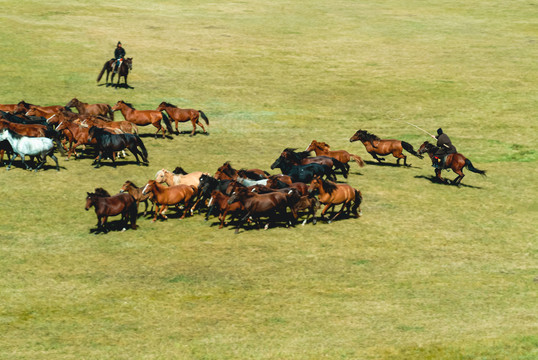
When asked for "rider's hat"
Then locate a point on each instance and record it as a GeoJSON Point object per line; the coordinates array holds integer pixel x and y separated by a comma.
{"type": "Point", "coordinates": [439, 131]}
{"type": "Point", "coordinates": [119, 42]}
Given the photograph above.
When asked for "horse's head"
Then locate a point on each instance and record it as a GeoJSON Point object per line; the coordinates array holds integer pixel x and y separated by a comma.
{"type": "Point", "coordinates": [238, 193]}
{"type": "Point", "coordinates": [4, 134]}
{"type": "Point", "coordinates": [161, 106]}
{"type": "Point", "coordinates": [426, 147]}
{"type": "Point", "coordinates": [225, 172]}
{"type": "Point", "coordinates": [90, 200]}
{"type": "Point", "coordinates": [72, 102]}
{"type": "Point", "coordinates": [315, 184]}
{"type": "Point", "coordinates": [129, 63]}
{"type": "Point", "coordinates": [149, 187]}
{"type": "Point", "coordinates": [160, 176]}
{"type": "Point", "coordinates": [312, 146]}
{"type": "Point", "coordinates": [358, 136]}
{"type": "Point", "coordinates": [278, 162]}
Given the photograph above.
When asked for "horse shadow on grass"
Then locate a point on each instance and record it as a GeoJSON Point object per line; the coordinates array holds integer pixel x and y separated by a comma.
{"type": "Point", "coordinates": [185, 132]}
{"type": "Point", "coordinates": [117, 86]}
{"type": "Point", "coordinates": [120, 163]}
{"type": "Point", "coordinates": [390, 164]}
{"type": "Point", "coordinates": [115, 225]}
{"type": "Point", "coordinates": [159, 136]}
{"type": "Point", "coordinates": [434, 180]}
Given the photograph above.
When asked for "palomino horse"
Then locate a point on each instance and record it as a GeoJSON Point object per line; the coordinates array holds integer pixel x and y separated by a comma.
{"type": "Point", "coordinates": [331, 194]}
{"type": "Point", "coordinates": [183, 115]}
{"type": "Point", "coordinates": [227, 172]}
{"type": "Point", "coordinates": [168, 177]}
{"type": "Point", "coordinates": [321, 148]}
{"type": "Point", "coordinates": [106, 206]}
{"type": "Point", "coordinates": [32, 146]}
{"type": "Point", "coordinates": [376, 146]}
{"type": "Point", "coordinates": [124, 69]}
{"type": "Point", "coordinates": [273, 205]}
{"type": "Point", "coordinates": [104, 110]}
{"type": "Point", "coordinates": [143, 117]}
{"type": "Point", "coordinates": [165, 196]}
{"type": "Point", "coordinates": [456, 162]}
{"type": "Point", "coordinates": [137, 193]}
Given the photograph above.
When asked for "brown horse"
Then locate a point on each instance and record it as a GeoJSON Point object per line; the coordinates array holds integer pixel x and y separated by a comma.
{"type": "Point", "coordinates": [117, 127]}
{"type": "Point", "coordinates": [376, 146]}
{"type": "Point", "coordinates": [83, 108]}
{"type": "Point", "coordinates": [165, 196]}
{"type": "Point", "coordinates": [33, 130]}
{"type": "Point", "coordinates": [183, 115]}
{"type": "Point", "coordinates": [137, 194]}
{"type": "Point", "coordinates": [456, 162]}
{"type": "Point", "coordinates": [8, 107]}
{"type": "Point", "coordinates": [275, 182]}
{"type": "Point", "coordinates": [331, 194]}
{"type": "Point", "coordinates": [227, 172]}
{"type": "Point", "coordinates": [143, 117]}
{"type": "Point", "coordinates": [273, 205]}
{"type": "Point", "coordinates": [106, 206]}
{"type": "Point", "coordinates": [45, 111]}
{"type": "Point", "coordinates": [323, 149]}
{"type": "Point", "coordinates": [302, 158]}
{"type": "Point", "coordinates": [78, 135]}
{"type": "Point", "coordinates": [220, 201]}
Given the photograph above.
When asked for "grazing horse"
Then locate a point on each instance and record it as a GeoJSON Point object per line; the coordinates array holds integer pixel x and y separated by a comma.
{"type": "Point", "coordinates": [272, 204]}
{"type": "Point", "coordinates": [376, 146]}
{"type": "Point", "coordinates": [168, 177]}
{"type": "Point", "coordinates": [303, 173]}
{"type": "Point", "coordinates": [227, 172]}
{"type": "Point", "coordinates": [122, 71]}
{"type": "Point", "coordinates": [104, 110]}
{"type": "Point", "coordinates": [302, 158]}
{"type": "Point", "coordinates": [108, 144]}
{"type": "Point", "coordinates": [165, 196]}
{"type": "Point", "coordinates": [143, 117]}
{"type": "Point", "coordinates": [331, 194]}
{"type": "Point", "coordinates": [106, 206]}
{"type": "Point", "coordinates": [456, 162]}
{"type": "Point", "coordinates": [321, 148]}
{"type": "Point", "coordinates": [137, 194]}
{"type": "Point", "coordinates": [32, 146]}
{"type": "Point", "coordinates": [219, 200]}
{"type": "Point", "coordinates": [183, 115]}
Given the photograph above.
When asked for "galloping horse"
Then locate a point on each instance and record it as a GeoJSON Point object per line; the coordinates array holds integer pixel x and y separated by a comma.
{"type": "Point", "coordinates": [227, 172]}
{"type": "Point", "coordinates": [376, 146]}
{"type": "Point", "coordinates": [124, 69]}
{"type": "Point", "coordinates": [32, 146]}
{"type": "Point", "coordinates": [220, 200]}
{"type": "Point", "coordinates": [331, 194]}
{"type": "Point", "coordinates": [303, 173]}
{"type": "Point", "coordinates": [302, 158]}
{"type": "Point", "coordinates": [321, 148]}
{"type": "Point", "coordinates": [168, 177]}
{"type": "Point", "coordinates": [143, 117]}
{"type": "Point", "coordinates": [136, 193]}
{"type": "Point", "coordinates": [456, 162]}
{"type": "Point", "coordinates": [108, 144]}
{"type": "Point", "coordinates": [165, 196]}
{"type": "Point", "coordinates": [106, 206]}
{"type": "Point", "coordinates": [104, 110]}
{"type": "Point", "coordinates": [183, 115]}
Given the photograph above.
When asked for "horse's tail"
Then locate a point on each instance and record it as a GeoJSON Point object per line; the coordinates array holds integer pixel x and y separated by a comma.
{"type": "Point", "coordinates": [357, 159]}
{"type": "Point", "coordinates": [357, 203]}
{"type": "Point", "coordinates": [167, 123]}
{"type": "Point", "coordinates": [140, 143]}
{"type": "Point", "coordinates": [204, 117]}
{"type": "Point", "coordinates": [409, 148]}
{"type": "Point", "coordinates": [341, 166]}
{"type": "Point", "coordinates": [470, 166]}
{"type": "Point", "coordinates": [102, 71]}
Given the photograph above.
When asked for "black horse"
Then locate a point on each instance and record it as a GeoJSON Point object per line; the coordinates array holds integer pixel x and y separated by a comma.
{"type": "Point", "coordinates": [303, 173]}
{"type": "Point", "coordinates": [108, 144]}
{"type": "Point", "coordinates": [125, 67]}
{"type": "Point", "coordinates": [207, 185]}
{"type": "Point", "coordinates": [303, 158]}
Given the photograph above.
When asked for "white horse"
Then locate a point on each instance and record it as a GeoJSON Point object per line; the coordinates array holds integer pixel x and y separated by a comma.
{"type": "Point", "coordinates": [32, 146]}
{"type": "Point", "coordinates": [250, 182]}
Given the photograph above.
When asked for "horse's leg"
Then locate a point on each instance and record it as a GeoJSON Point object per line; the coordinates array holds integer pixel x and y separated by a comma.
{"type": "Point", "coordinates": [327, 206]}
{"type": "Point", "coordinates": [97, 162]}
{"type": "Point", "coordinates": [374, 155]}
{"type": "Point", "coordinates": [338, 213]}
{"type": "Point", "coordinates": [163, 210]}
{"type": "Point", "coordinates": [11, 161]}
{"type": "Point", "coordinates": [24, 164]}
{"type": "Point", "coordinates": [156, 212]}
{"type": "Point", "coordinates": [193, 121]}
{"type": "Point", "coordinates": [438, 174]}
{"type": "Point", "coordinates": [458, 179]}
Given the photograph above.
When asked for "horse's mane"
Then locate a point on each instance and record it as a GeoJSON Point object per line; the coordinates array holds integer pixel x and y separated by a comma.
{"type": "Point", "coordinates": [101, 192]}
{"type": "Point", "coordinates": [328, 186]}
{"type": "Point", "coordinates": [369, 136]}
{"type": "Point", "coordinates": [131, 183]}
{"type": "Point", "coordinates": [168, 104]}
{"type": "Point", "coordinates": [297, 156]}
{"type": "Point", "coordinates": [227, 169]}
{"type": "Point", "coordinates": [129, 105]}
{"type": "Point", "coordinates": [25, 104]}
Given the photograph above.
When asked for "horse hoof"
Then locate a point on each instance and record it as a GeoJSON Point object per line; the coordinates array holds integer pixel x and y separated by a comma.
{"type": "Point", "coordinates": [314, 221]}
{"type": "Point", "coordinates": [330, 221]}
{"type": "Point", "coordinates": [122, 230]}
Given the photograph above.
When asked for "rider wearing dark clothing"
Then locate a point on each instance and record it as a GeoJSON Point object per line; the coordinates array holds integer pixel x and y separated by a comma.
{"type": "Point", "coordinates": [119, 54]}
{"type": "Point", "coordinates": [445, 147]}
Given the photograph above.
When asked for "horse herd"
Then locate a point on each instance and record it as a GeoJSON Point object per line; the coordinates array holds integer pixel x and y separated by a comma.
{"type": "Point", "coordinates": [248, 196]}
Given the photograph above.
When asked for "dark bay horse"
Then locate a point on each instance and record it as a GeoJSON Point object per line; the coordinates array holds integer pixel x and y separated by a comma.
{"type": "Point", "coordinates": [303, 173]}
{"type": "Point", "coordinates": [108, 144]}
{"type": "Point", "coordinates": [125, 67]}
{"type": "Point", "coordinates": [227, 172]}
{"type": "Point", "coordinates": [183, 115]}
{"type": "Point", "coordinates": [376, 146]}
{"type": "Point", "coordinates": [331, 194]}
{"type": "Point", "coordinates": [456, 162]}
{"type": "Point", "coordinates": [104, 110]}
{"type": "Point", "coordinates": [321, 148]}
{"type": "Point", "coordinates": [106, 206]}
{"type": "Point", "coordinates": [303, 158]}
{"type": "Point", "coordinates": [143, 117]}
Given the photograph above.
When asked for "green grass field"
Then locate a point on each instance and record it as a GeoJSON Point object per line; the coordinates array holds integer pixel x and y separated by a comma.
{"type": "Point", "coordinates": [429, 271]}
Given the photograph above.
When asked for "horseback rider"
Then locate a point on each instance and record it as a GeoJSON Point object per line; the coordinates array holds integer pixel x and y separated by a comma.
{"type": "Point", "coordinates": [119, 54]}
{"type": "Point", "coordinates": [445, 148]}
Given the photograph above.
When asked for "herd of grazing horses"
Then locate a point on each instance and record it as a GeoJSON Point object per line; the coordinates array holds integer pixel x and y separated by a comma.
{"type": "Point", "coordinates": [246, 196]}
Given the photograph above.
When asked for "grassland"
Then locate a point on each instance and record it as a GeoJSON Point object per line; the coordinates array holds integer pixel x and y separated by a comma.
{"type": "Point", "coordinates": [429, 272]}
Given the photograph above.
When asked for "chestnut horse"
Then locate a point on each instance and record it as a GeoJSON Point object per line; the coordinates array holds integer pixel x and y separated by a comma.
{"type": "Point", "coordinates": [321, 148]}
{"type": "Point", "coordinates": [183, 115]}
{"type": "Point", "coordinates": [376, 146]}
{"type": "Point", "coordinates": [456, 162]}
{"type": "Point", "coordinates": [136, 193]}
{"type": "Point", "coordinates": [165, 196]}
{"type": "Point", "coordinates": [106, 206]}
{"type": "Point", "coordinates": [104, 110]}
{"type": "Point", "coordinates": [220, 201]}
{"type": "Point", "coordinates": [331, 194]}
{"type": "Point", "coordinates": [143, 117]}
{"type": "Point", "coordinates": [227, 172]}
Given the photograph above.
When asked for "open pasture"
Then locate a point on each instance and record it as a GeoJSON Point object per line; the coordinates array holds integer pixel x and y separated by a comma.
{"type": "Point", "coordinates": [428, 272]}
